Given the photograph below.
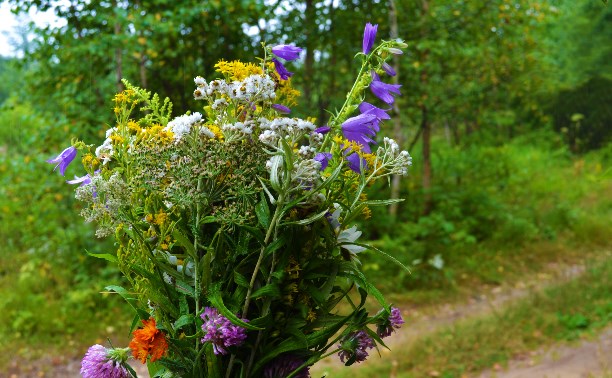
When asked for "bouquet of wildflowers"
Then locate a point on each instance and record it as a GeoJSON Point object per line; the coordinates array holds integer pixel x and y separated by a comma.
{"type": "Point", "coordinates": [234, 225]}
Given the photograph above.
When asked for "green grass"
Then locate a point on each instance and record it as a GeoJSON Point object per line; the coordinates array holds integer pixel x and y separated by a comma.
{"type": "Point", "coordinates": [565, 312]}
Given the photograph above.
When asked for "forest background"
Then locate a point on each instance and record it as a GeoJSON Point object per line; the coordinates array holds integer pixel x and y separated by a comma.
{"type": "Point", "coordinates": [505, 109]}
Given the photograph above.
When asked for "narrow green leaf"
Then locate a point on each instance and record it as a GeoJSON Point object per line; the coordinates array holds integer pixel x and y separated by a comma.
{"type": "Point", "coordinates": [183, 321]}
{"type": "Point", "coordinates": [105, 256]}
{"type": "Point", "coordinates": [240, 280]}
{"type": "Point", "coordinates": [263, 212]}
{"type": "Point", "coordinates": [270, 290]}
{"type": "Point", "coordinates": [308, 220]}
{"type": "Point", "coordinates": [216, 300]}
{"type": "Point", "coordinates": [183, 241]}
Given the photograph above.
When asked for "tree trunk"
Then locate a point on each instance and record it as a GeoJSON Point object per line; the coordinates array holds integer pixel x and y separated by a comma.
{"type": "Point", "coordinates": [427, 171]}
{"type": "Point", "coordinates": [397, 123]}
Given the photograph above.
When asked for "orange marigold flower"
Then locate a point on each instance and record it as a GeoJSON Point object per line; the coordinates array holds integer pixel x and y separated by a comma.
{"type": "Point", "coordinates": [148, 341]}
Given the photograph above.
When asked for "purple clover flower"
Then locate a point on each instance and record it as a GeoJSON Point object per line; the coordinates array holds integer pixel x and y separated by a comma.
{"type": "Point", "coordinates": [383, 90]}
{"type": "Point", "coordinates": [64, 159]}
{"type": "Point", "coordinates": [356, 162]}
{"type": "Point", "coordinates": [100, 362]}
{"type": "Point", "coordinates": [355, 347]}
{"type": "Point", "coordinates": [287, 52]}
{"type": "Point", "coordinates": [359, 129]}
{"type": "Point", "coordinates": [281, 108]}
{"type": "Point", "coordinates": [282, 366]}
{"type": "Point", "coordinates": [323, 158]}
{"type": "Point", "coordinates": [220, 331]}
{"type": "Point", "coordinates": [393, 322]}
{"type": "Point", "coordinates": [282, 71]}
{"type": "Point", "coordinates": [369, 35]}
{"type": "Point", "coordinates": [367, 108]}
{"type": "Point", "coordinates": [388, 69]}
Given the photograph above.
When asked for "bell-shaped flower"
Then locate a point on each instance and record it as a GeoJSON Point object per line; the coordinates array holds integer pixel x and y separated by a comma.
{"type": "Point", "coordinates": [282, 71]}
{"type": "Point", "coordinates": [388, 69]}
{"type": "Point", "coordinates": [287, 52]}
{"type": "Point", "coordinates": [384, 91]}
{"type": "Point", "coordinates": [64, 159]}
{"type": "Point", "coordinates": [360, 129]}
{"type": "Point", "coordinates": [367, 108]}
{"type": "Point", "coordinates": [323, 158]}
{"type": "Point", "coordinates": [281, 108]}
{"type": "Point", "coordinates": [356, 163]}
{"type": "Point", "coordinates": [369, 35]}
{"type": "Point", "coordinates": [322, 130]}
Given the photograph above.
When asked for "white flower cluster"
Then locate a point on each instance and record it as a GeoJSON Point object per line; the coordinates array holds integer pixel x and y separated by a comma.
{"type": "Point", "coordinates": [255, 88]}
{"type": "Point", "coordinates": [238, 130]}
{"type": "Point", "coordinates": [398, 161]}
{"type": "Point", "coordinates": [105, 151]}
{"type": "Point", "coordinates": [290, 129]}
{"type": "Point", "coordinates": [182, 125]}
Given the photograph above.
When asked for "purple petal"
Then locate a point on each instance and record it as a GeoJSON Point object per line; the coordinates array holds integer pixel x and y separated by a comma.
{"type": "Point", "coordinates": [287, 52]}
{"type": "Point", "coordinates": [281, 108]}
{"type": "Point", "coordinates": [388, 69]}
{"type": "Point", "coordinates": [383, 90]}
{"type": "Point", "coordinates": [323, 158]}
{"type": "Point", "coordinates": [84, 180]}
{"type": "Point", "coordinates": [359, 129]}
{"type": "Point", "coordinates": [355, 162]}
{"type": "Point", "coordinates": [282, 71]}
{"type": "Point", "coordinates": [323, 129]}
{"type": "Point", "coordinates": [64, 159]}
{"type": "Point", "coordinates": [369, 35]}
{"type": "Point", "coordinates": [367, 108]}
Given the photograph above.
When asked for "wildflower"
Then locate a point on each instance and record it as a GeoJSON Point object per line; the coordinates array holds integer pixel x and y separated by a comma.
{"type": "Point", "coordinates": [388, 69]}
{"type": "Point", "coordinates": [367, 108]}
{"type": "Point", "coordinates": [347, 237]}
{"type": "Point", "coordinates": [281, 108]}
{"type": "Point", "coordinates": [281, 70]}
{"type": "Point", "coordinates": [282, 366]}
{"type": "Point", "coordinates": [383, 90]}
{"type": "Point", "coordinates": [394, 321]}
{"type": "Point", "coordinates": [356, 163]}
{"type": "Point", "coordinates": [323, 158]}
{"type": "Point", "coordinates": [354, 347]}
{"type": "Point", "coordinates": [181, 125]}
{"type": "Point", "coordinates": [369, 35]}
{"type": "Point", "coordinates": [359, 129]}
{"type": "Point", "coordinates": [395, 51]}
{"type": "Point", "coordinates": [148, 341]}
{"type": "Point", "coordinates": [83, 180]}
{"type": "Point", "coordinates": [64, 159]}
{"type": "Point", "coordinates": [220, 331]}
{"type": "Point", "coordinates": [322, 129]}
{"type": "Point", "coordinates": [287, 52]}
{"type": "Point", "coordinates": [101, 362]}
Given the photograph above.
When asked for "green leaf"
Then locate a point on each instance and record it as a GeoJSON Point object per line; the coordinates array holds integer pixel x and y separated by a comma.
{"type": "Point", "coordinates": [184, 242]}
{"type": "Point", "coordinates": [275, 245]}
{"type": "Point", "coordinates": [183, 321]}
{"type": "Point", "coordinates": [263, 212]}
{"type": "Point", "coordinates": [308, 220]}
{"type": "Point", "coordinates": [240, 280]}
{"type": "Point", "coordinates": [393, 259]}
{"type": "Point", "coordinates": [105, 256]}
{"type": "Point", "coordinates": [216, 300]}
{"type": "Point", "coordinates": [270, 290]}
{"type": "Point", "coordinates": [185, 288]}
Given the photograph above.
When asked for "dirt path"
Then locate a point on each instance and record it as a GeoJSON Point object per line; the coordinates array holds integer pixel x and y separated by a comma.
{"type": "Point", "coordinates": [594, 357]}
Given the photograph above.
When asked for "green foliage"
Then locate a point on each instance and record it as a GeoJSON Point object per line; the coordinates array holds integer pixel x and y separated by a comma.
{"type": "Point", "coordinates": [49, 288]}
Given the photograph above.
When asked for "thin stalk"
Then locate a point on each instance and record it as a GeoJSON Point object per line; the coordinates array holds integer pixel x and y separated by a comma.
{"type": "Point", "coordinates": [196, 263]}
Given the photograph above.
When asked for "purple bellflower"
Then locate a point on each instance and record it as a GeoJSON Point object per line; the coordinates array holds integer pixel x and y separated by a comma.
{"type": "Point", "coordinates": [356, 162]}
{"type": "Point", "coordinates": [383, 90]}
{"type": "Point", "coordinates": [323, 158]}
{"type": "Point", "coordinates": [220, 331]}
{"type": "Point", "coordinates": [282, 71]}
{"type": "Point", "coordinates": [64, 159]}
{"type": "Point", "coordinates": [369, 35]}
{"type": "Point", "coordinates": [393, 322]}
{"type": "Point", "coordinates": [322, 130]}
{"type": "Point", "coordinates": [367, 108]}
{"type": "Point", "coordinates": [281, 108]}
{"type": "Point", "coordinates": [100, 362]}
{"type": "Point", "coordinates": [287, 52]}
{"type": "Point", "coordinates": [388, 69]}
{"type": "Point", "coordinates": [282, 366]}
{"type": "Point", "coordinates": [359, 129]}
{"type": "Point", "coordinates": [354, 347]}
{"type": "Point", "coordinates": [83, 180]}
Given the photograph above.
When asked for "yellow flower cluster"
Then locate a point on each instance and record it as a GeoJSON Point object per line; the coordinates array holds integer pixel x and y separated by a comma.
{"type": "Point", "coordinates": [90, 162]}
{"type": "Point", "coordinates": [237, 70]}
